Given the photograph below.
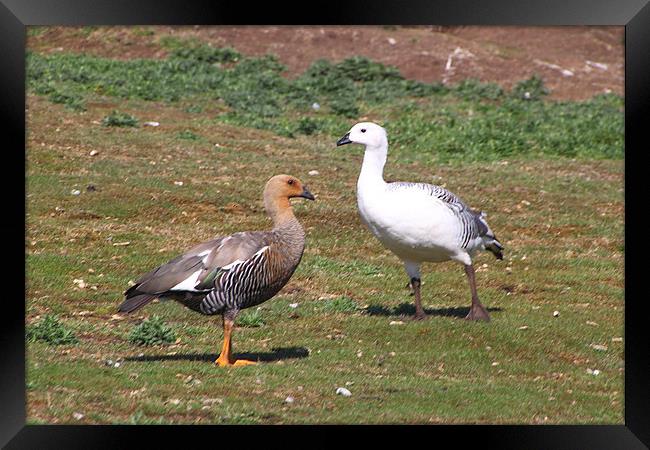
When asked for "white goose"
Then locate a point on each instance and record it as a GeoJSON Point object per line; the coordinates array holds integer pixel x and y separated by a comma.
{"type": "Point", "coordinates": [418, 222]}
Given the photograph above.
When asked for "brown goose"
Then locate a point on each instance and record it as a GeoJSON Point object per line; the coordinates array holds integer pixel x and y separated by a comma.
{"type": "Point", "coordinates": [227, 274]}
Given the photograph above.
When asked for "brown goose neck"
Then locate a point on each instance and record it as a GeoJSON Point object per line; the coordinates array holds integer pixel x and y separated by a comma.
{"type": "Point", "coordinates": [279, 210]}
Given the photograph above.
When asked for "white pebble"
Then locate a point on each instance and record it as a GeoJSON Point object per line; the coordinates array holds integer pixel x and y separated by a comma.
{"type": "Point", "coordinates": [396, 322]}
{"type": "Point", "coordinates": [75, 192]}
{"type": "Point", "coordinates": [178, 183]}
{"type": "Point", "coordinates": [599, 347]}
{"type": "Point", "coordinates": [313, 172]}
{"type": "Point", "coordinates": [78, 416]}
{"type": "Point", "coordinates": [293, 305]}
{"type": "Point", "coordinates": [556, 313]}
{"type": "Point", "coordinates": [151, 124]}
{"type": "Point", "coordinates": [93, 152]}
{"type": "Point", "coordinates": [315, 106]}
{"type": "Point", "coordinates": [289, 399]}
{"type": "Point", "coordinates": [392, 41]}
{"type": "Point", "coordinates": [344, 392]}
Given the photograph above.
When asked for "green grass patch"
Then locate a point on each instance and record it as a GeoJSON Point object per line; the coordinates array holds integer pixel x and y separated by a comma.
{"type": "Point", "coordinates": [152, 331]}
{"type": "Point", "coordinates": [52, 331]}
{"type": "Point", "coordinates": [250, 319]}
{"type": "Point", "coordinates": [470, 121]}
{"type": "Point", "coordinates": [119, 119]}
{"type": "Point", "coordinates": [340, 304]}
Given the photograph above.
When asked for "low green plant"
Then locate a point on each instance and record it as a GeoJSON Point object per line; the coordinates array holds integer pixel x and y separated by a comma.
{"type": "Point", "coordinates": [119, 119]}
{"type": "Point", "coordinates": [51, 330]}
{"type": "Point", "coordinates": [152, 331]}
{"type": "Point", "coordinates": [531, 89]}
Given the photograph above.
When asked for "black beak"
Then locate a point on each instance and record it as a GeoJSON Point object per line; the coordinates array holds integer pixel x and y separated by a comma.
{"type": "Point", "coordinates": [344, 140]}
{"type": "Point", "coordinates": [306, 194]}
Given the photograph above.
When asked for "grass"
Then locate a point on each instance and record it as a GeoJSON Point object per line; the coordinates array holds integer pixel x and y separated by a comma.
{"type": "Point", "coordinates": [51, 331]}
{"type": "Point", "coordinates": [152, 331]}
{"type": "Point", "coordinates": [471, 121]}
{"type": "Point", "coordinates": [549, 175]}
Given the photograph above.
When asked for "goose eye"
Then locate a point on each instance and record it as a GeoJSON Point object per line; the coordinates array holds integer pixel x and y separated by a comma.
{"type": "Point", "coordinates": [290, 181]}
{"type": "Point", "coordinates": [363, 130]}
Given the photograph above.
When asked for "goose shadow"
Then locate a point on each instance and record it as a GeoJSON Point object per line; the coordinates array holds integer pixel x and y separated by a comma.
{"type": "Point", "coordinates": [408, 309]}
{"type": "Point", "coordinates": [276, 354]}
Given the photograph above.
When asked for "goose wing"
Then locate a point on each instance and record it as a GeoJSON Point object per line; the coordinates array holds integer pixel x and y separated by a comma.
{"type": "Point", "coordinates": [471, 222]}
{"type": "Point", "coordinates": [197, 269]}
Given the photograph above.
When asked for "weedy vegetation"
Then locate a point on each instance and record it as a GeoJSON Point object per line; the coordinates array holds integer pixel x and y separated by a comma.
{"type": "Point", "coordinates": [548, 173]}
{"type": "Point", "coordinates": [51, 331]}
{"type": "Point", "coordinates": [152, 331]}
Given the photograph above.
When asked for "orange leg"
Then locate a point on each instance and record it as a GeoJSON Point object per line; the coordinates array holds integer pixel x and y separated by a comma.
{"type": "Point", "coordinates": [225, 358]}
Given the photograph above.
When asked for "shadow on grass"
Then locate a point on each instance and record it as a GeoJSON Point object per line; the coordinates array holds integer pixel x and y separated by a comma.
{"type": "Point", "coordinates": [276, 354]}
{"type": "Point", "coordinates": [408, 309]}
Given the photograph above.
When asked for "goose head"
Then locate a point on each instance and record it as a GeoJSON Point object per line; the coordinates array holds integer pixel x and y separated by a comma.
{"type": "Point", "coordinates": [365, 133]}
{"type": "Point", "coordinates": [286, 187]}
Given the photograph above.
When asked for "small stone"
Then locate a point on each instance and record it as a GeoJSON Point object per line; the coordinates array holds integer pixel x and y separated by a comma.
{"type": "Point", "coordinates": [293, 305]}
{"type": "Point", "coordinates": [343, 391]}
{"type": "Point", "coordinates": [495, 363]}
{"type": "Point", "coordinates": [178, 183]}
{"type": "Point", "coordinates": [392, 41]}
{"type": "Point", "coordinates": [75, 192]}
{"type": "Point", "coordinates": [396, 322]}
{"type": "Point", "coordinates": [116, 365]}
{"type": "Point", "coordinates": [78, 416]}
{"type": "Point", "coordinates": [315, 106]}
{"type": "Point", "coordinates": [525, 327]}
{"type": "Point", "coordinates": [599, 347]}
{"type": "Point", "coordinates": [313, 172]}
{"type": "Point", "coordinates": [289, 399]}
{"type": "Point", "coordinates": [556, 313]}
{"type": "Point", "coordinates": [151, 124]}
{"type": "Point", "coordinates": [617, 339]}
{"type": "Point", "coordinates": [93, 153]}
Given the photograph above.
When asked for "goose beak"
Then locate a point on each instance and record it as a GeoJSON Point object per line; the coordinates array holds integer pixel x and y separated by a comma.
{"type": "Point", "coordinates": [306, 194]}
{"type": "Point", "coordinates": [344, 140]}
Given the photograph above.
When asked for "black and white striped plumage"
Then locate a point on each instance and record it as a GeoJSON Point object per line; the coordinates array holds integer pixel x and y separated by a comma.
{"type": "Point", "coordinates": [224, 275]}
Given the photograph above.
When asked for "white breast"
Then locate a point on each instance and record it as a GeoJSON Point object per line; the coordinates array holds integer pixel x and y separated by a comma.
{"type": "Point", "coordinates": [414, 225]}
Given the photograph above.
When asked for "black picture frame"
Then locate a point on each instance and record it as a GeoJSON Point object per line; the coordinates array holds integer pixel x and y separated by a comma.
{"type": "Point", "coordinates": [15, 15]}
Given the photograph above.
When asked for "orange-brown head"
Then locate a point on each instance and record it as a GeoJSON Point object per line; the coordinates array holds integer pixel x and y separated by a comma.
{"type": "Point", "coordinates": [277, 192]}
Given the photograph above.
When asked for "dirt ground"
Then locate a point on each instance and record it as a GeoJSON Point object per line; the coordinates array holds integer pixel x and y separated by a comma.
{"type": "Point", "coordinates": [576, 62]}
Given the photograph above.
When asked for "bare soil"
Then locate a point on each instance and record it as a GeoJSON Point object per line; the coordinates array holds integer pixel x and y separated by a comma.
{"type": "Point", "coordinates": [575, 62]}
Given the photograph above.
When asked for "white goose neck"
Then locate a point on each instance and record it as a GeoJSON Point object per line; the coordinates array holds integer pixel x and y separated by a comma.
{"type": "Point", "coordinates": [374, 160]}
